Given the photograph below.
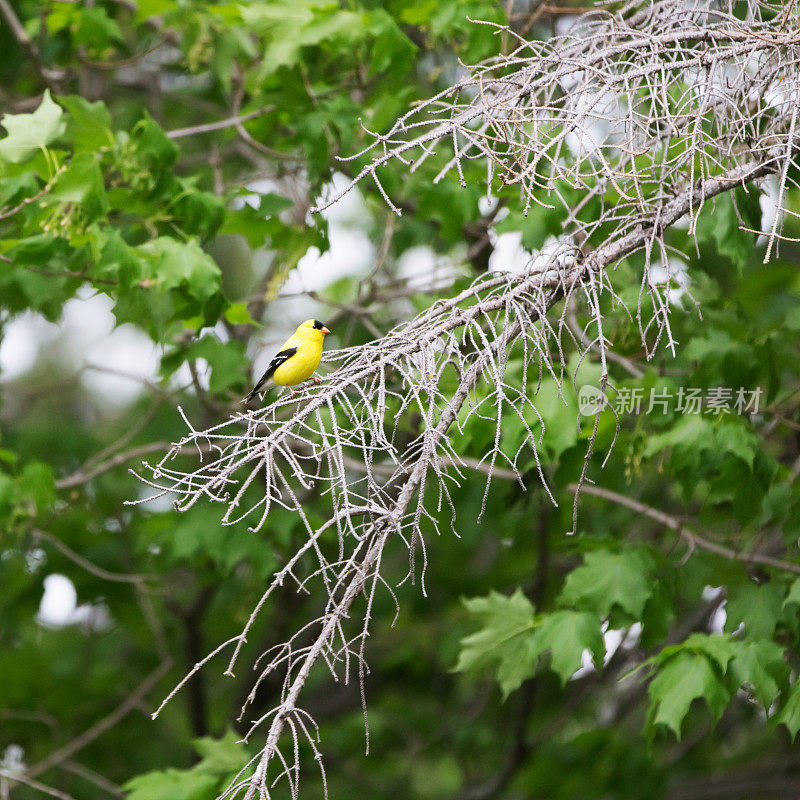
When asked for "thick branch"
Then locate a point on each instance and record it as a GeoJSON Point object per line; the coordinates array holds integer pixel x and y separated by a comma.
{"type": "Point", "coordinates": [692, 539]}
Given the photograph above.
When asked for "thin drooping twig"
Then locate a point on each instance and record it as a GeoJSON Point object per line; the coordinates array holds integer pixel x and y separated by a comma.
{"type": "Point", "coordinates": [626, 363]}
{"type": "Point", "coordinates": [692, 539]}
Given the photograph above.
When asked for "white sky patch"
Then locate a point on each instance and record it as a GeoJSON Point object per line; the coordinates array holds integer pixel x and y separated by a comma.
{"type": "Point", "coordinates": [613, 638]}
{"type": "Point", "coordinates": [564, 22]}
{"type": "Point", "coordinates": [509, 255]}
{"type": "Point", "coordinates": [351, 252]}
{"type": "Point", "coordinates": [487, 204]}
{"type": "Point", "coordinates": [632, 637]}
{"type": "Point", "coordinates": [423, 268]}
{"type": "Point", "coordinates": [676, 273]}
{"type": "Point", "coordinates": [259, 187]}
{"type": "Point", "coordinates": [587, 665]}
{"type": "Point", "coordinates": [116, 359]}
{"type": "Point", "coordinates": [716, 623]}
{"type": "Point", "coordinates": [157, 503]}
{"type": "Point", "coordinates": [20, 344]}
{"type": "Point", "coordinates": [59, 607]}
{"type": "Point", "coordinates": [350, 208]}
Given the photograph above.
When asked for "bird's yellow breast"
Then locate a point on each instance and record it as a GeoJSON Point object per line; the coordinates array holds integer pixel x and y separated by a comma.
{"type": "Point", "coordinates": [301, 366]}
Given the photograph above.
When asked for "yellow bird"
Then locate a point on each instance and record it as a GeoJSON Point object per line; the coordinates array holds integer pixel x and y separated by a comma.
{"type": "Point", "coordinates": [297, 359]}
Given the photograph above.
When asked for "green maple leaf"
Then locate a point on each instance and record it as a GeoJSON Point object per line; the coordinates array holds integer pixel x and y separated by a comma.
{"type": "Point", "coordinates": [223, 755]}
{"type": "Point", "coordinates": [238, 314]}
{"type": "Point", "coordinates": [219, 758]}
{"type": "Point", "coordinates": [794, 594]}
{"type": "Point", "coordinates": [566, 634]}
{"type": "Point", "coordinates": [720, 649]}
{"type": "Point", "coordinates": [227, 360]}
{"type": "Point", "coordinates": [789, 715]}
{"type": "Point", "coordinates": [504, 640]}
{"type": "Point", "coordinates": [512, 639]}
{"type": "Point", "coordinates": [177, 264]}
{"type": "Point", "coordinates": [172, 784]}
{"type": "Point", "coordinates": [28, 133]}
{"type": "Point", "coordinates": [37, 484]}
{"type": "Point", "coordinates": [682, 679]}
{"type": "Point", "coordinates": [82, 182]}
{"type": "Point", "coordinates": [289, 25]}
{"type": "Point", "coordinates": [758, 607]}
{"type": "Point", "coordinates": [762, 665]}
{"type": "Point", "coordinates": [610, 579]}
{"type": "Point", "coordinates": [88, 124]}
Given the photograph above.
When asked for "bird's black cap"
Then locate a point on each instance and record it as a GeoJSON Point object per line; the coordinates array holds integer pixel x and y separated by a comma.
{"type": "Point", "coordinates": [319, 325]}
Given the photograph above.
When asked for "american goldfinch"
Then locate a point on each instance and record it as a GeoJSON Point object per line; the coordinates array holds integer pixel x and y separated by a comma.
{"type": "Point", "coordinates": [297, 359]}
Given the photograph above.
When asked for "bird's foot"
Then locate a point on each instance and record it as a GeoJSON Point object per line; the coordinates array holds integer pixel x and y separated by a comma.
{"type": "Point", "coordinates": [317, 380]}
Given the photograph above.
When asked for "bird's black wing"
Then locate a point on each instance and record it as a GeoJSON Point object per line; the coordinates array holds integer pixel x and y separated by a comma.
{"type": "Point", "coordinates": [277, 360]}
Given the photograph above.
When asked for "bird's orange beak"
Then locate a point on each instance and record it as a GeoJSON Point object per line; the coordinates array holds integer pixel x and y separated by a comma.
{"type": "Point", "coordinates": [324, 329]}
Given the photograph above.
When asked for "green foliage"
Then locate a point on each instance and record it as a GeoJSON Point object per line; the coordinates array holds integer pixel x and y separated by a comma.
{"type": "Point", "coordinates": [24, 494]}
{"type": "Point", "coordinates": [609, 579]}
{"type": "Point", "coordinates": [513, 637]}
{"type": "Point", "coordinates": [566, 634]}
{"type": "Point", "coordinates": [685, 677]}
{"type": "Point", "coordinates": [220, 761]}
{"type": "Point", "coordinates": [506, 637]}
{"type": "Point", "coordinates": [712, 668]}
{"type": "Point", "coordinates": [789, 715]}
{"type": "Point", "coordinates": [757, 607]}
{"type": "Point", "coordinates": [29, 134]}
{"type": "Point", "coordinates": [763, 667]}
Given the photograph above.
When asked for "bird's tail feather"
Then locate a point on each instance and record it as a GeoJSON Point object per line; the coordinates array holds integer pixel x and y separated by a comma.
{"type": "Point", "coordinates": [255, 390]}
